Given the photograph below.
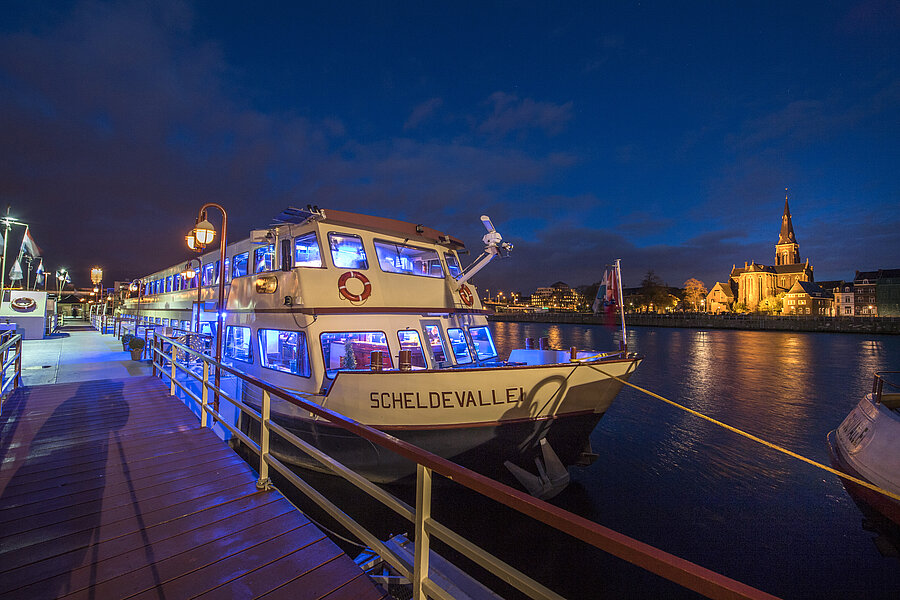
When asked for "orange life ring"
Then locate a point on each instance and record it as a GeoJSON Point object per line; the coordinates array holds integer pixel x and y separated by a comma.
{"type": "Point", "coordinates": [342, 286]}
{"type": "Point", "coordinates": [465, 294]}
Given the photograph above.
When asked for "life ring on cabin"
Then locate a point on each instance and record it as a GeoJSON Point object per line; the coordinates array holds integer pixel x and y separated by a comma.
{"type": "Point", "coordinates": [23, 304]}
{"type": "Point", "coordinates": [465, 294]}
{"type": "Point", "coordinates": [342, 286]}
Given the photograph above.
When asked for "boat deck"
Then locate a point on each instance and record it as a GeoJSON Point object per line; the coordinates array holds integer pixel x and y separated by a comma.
{"type": "Point", "coordinates": [111, 489]}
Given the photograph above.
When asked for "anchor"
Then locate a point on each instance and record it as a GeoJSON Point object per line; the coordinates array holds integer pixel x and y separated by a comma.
{"type": "Point", "coordinates": [552, 477]}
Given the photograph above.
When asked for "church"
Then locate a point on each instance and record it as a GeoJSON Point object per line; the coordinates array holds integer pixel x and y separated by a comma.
{"type": "Point", "coordinates": [757, 286]}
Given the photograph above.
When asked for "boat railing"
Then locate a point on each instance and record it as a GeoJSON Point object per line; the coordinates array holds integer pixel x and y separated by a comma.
{"type": "Point", "coordinates": [891, 399]}
{"type": "Point", "coordinates": [10, 358]}
{"type": "Point", "coordinates": [166, 354]}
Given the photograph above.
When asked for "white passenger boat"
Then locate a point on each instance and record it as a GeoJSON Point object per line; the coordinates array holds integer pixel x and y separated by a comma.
{"type": "Point", "coordinates": [867, 446]}
{"type": "Point", "coordinates": [315, 300]}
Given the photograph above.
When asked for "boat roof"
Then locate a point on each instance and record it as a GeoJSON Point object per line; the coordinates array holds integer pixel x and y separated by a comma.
{"type": "Point", "coordinates": [409, 231]}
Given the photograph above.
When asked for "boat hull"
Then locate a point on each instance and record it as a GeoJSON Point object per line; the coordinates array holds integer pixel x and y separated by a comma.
{"type": "Point", "coordinates": [867, 446]}
{"type": "Point", "coordinates": [478, 418]}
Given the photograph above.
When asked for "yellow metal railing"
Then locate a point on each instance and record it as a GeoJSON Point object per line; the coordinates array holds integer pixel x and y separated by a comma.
{"type": "Point", "coordinates": [165, 352]}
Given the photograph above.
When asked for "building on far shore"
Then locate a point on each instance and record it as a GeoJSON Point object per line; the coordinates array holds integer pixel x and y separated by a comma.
{"type": "Point", "coordinates": [558, 297]}
{"type": "Point", "coordinates": [761, 287]}
{"type": "Point", "coordinates": [807, 298]}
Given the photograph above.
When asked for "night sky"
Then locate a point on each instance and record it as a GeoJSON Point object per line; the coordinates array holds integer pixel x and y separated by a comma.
{"type": "Point", "coordinates": [661, 133]}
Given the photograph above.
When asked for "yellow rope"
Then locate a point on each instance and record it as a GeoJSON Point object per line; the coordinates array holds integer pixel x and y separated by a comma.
{"type": "Point", "coordinates": [750, 436]}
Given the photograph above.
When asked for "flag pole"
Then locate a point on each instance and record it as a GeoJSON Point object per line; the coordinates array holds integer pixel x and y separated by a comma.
{"type": "Point", "coordinates": [621, 302]}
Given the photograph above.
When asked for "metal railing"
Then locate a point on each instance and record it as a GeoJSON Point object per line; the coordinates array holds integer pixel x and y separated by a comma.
{"type": "Point", "coordinates": [10, 356]}
{"type": "Point", "coordinates": [165, 354]}
{"type": "Point", "coordinates": [878, 384]}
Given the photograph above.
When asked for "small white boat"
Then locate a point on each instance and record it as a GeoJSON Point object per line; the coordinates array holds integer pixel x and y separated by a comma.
{"type": "Point", "coordinates": [867, 446]}
{"type": "Point", "coordinates": [375, 319]}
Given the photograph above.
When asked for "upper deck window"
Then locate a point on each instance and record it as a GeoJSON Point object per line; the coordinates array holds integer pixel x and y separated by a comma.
{"type": "Point", "coordinates": [264, 258]}
{"type": "Point", "coordinates": [208, 274]}
{"type": "Point", "coordinates": [239, 264]}
{"type": "Point", "coordinates": [409, 260]}
{"type": "Point", "coordinates": [452, 265]}
{"type": "Point", "coordinates": [169, 283]}
{"type": "Point", "coordinates": [306, 251]}
{"type": "Point", "coordinates": [347, 251]}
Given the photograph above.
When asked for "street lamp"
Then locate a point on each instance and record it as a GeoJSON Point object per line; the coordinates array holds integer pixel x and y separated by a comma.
{"type": "Point", "coordinates": [203, 234]}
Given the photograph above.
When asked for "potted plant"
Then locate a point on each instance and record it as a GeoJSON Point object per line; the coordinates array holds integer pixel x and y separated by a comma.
{"type": "Point", "coordinates": [136, 345]}
{"type": "Point", "coordinates": [125, 340]}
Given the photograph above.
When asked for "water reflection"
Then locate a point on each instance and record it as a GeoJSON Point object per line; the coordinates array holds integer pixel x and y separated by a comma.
{"type": "Point", "coordinates": [703, 493]}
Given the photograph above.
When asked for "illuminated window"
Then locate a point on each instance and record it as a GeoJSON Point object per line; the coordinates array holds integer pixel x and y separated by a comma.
{"type": "Point", "coordinates": [452, 265]}
{"type": "Point", "coordinates": [437, 344]}
{"type": "Point", "coordinates": [353, 350]}
{"type": "Point", "coordinates": [347, 251]}
{"type": "Point", "coordinates": [284, 351]}
{"type": "Point", "coordinates": [409, 340]}
{"type": "Point", "coordinates": [239, 264]}
{"type": "Point", "coordinates": [306, 251]}
{"type": "Point", "coordinates": [459, 346]}
{"type": "Point", "coordinates": [484, 345]}
{"type": "Point", "coordinates": [237, 343]}
{"type": "Point", "coordinates": [264, 258]}
{"type": "Point", "coordinates": [169, 283]}
{"type": "Point", "coordinates": [408, 260]}
{"type": "Point", "coordinates": [208, 274]}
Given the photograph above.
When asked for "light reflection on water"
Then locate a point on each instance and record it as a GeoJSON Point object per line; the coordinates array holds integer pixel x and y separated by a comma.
{"type": "Point", "coordinates": [673, 480]}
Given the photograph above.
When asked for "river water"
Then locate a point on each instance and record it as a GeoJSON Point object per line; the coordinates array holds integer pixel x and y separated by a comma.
{"type": "Point", "coordinates": [679, 483]}
{"type": "Point", "coordinates": [688, 487]}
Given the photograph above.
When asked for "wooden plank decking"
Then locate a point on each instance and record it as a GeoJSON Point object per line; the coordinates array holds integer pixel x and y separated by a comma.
{"type": "Point", "coordinates": [110, 489]}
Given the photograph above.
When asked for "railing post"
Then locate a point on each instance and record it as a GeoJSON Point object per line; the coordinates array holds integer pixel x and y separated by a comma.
{"type": "Point", "coordinates": [204, 402]}
{"type": "Point", "coordinates": [264, 482]}
{"type": "Point", "coordinates": [423, 514]}
{"type": "Point", "coordinates": [172, 381]}
{"type": "Point", "coordinates": [17, 374]}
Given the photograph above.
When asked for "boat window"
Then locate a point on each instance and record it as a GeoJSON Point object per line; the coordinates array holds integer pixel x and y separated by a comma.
{"type": "Point", "coordinates": [409, 260]}
{"type": "Point", "coordinates": [459, 346]}
{"type": "Point", "coordinates": [409, 340]}
{"type": "Point", "coordinates": [264, 258]}
{"type": "Point", "coordinates": [284, 351]}
{"type": "Point", "coordinates": [237, 343]}
{"type": "Point", "coordinates": [228, 270]}
{"type": "Point", "coordinates": [169, 283]}
{"type": "Point", "coordinates": [452, 265]}
{"type": "Point", "coordinates": [177, 282]}
{"type": "Point", "coordinates": [346, 350]}
{"type": "Point", "coordinates": [239, 264]}
{"type": "Point", "coordinates": [484, 344]}
{"type": "Point", "coordinates": [217, 272]}
{"type": "Point", "coordinates": [437, 344]}
{"type": "Point", "coordinates": [347, 251]}
{"type": "Point", "coordinates": [306, 251]}
{"type": "Point", "coordinates": [195, 280]}
{"type": "Point", "coordinates": [208, 274]}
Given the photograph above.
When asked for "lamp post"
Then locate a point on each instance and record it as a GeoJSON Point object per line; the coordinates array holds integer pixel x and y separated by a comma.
{"type": "Point", "coordinates": [201, 236]}
{"type": "Point", "coordinates": [8, 222]}
{"type": "Point", "coordinates": [137, 285]}
{"type": "Point", "coordinates": [188, 274]}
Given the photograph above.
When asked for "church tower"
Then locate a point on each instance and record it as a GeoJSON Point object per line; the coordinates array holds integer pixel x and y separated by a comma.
{"type": "Point", "coordinates": [787, 250]}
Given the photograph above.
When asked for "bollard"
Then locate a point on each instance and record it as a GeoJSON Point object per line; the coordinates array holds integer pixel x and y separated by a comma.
{"type": "Point", "coordinates": [529, 343]}
{"type": "Point", "coordinates": [405, 360]}
{"type": "Point", "coordinates": [544, 343]}
{"type": "Point", "coordinates": [377, 360]}
{"type": "Point", "coordinates": [573, 352]}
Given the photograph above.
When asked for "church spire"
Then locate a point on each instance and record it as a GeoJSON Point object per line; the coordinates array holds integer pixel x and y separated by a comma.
{"type": "Point", "coordinates": [787, 227]}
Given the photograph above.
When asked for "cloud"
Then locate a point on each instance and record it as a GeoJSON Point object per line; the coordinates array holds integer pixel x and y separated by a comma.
{"type": "Point", "coordinates": [511, 114]}
{"type": "Point", "coordinates": [422, 113]}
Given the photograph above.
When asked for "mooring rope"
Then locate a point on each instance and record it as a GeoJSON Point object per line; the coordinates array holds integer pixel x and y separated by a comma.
{"type": "Point", "coordinates": [750, 436]}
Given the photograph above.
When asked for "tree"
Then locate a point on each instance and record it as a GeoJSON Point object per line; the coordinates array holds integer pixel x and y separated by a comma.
{"type": "Point", "coordinates": [694, 292]}
{"type": "Point", "coordinates": [654, 291]}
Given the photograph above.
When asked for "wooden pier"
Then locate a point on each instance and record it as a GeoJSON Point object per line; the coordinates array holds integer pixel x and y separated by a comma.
{"type": "Point", "coordinates": [111, 489]}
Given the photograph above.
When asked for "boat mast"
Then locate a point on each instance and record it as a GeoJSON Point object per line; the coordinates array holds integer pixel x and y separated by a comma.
{"type": "Point", "coordinates": [621, 301]}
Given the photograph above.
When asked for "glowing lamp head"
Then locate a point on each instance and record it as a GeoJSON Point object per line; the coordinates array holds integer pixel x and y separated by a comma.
{"type": "Point", "coordinates": [204, 233]}
{"type": "Point", "coordinates": [188, 272]}
{"type": "Point", "coordinates": [96, 275]}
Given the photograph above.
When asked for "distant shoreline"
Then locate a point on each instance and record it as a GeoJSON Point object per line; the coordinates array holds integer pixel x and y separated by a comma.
{"type": "Point", "coordinates": [869, 325]}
